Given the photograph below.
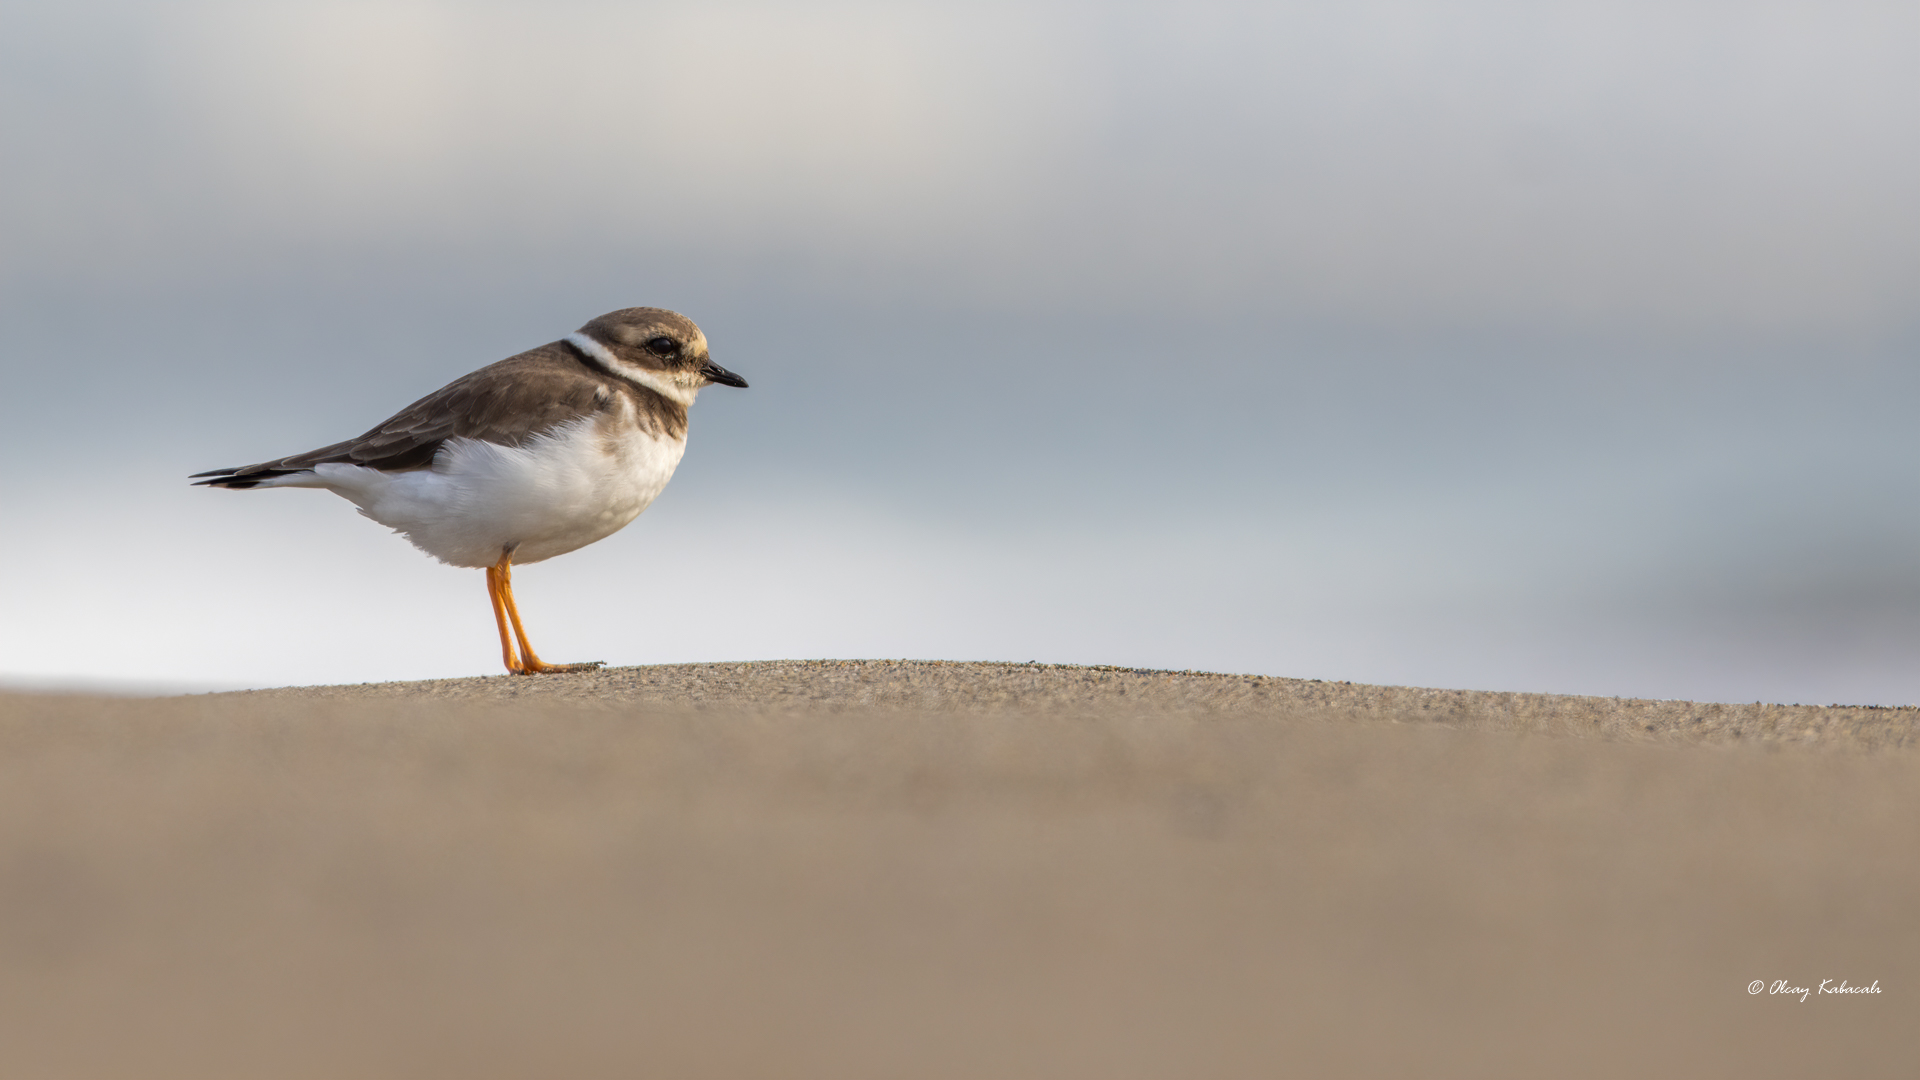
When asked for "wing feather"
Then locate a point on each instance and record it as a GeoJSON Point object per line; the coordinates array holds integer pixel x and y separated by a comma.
{"type": "Point", "coordinates": [506, 403]}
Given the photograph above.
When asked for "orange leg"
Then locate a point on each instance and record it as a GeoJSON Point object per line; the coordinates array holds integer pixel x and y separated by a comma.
{"type": "Point", "coordinates": [500, 620]}
{"type": "Point", "coordinates": [500, 586]}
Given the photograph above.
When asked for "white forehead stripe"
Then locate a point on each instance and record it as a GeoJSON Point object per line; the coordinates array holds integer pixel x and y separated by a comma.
{"type": "Point", "coordinates": [652, 380]}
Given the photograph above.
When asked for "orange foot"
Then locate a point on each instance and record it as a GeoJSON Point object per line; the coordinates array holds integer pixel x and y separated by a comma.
{"type": "Point", "coordinates": [540, 667]}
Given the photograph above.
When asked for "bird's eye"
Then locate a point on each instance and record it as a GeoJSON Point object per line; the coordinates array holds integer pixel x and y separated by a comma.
{"type": "Point", "coordinates": [662, 346]}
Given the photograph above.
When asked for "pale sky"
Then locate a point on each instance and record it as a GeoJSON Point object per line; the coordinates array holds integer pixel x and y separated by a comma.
{"type": "Point", "coordinates": [1546, 347]}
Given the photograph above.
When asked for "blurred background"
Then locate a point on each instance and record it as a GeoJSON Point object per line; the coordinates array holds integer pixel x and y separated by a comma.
{"type": "Point", "coordinates": [1566, 348]}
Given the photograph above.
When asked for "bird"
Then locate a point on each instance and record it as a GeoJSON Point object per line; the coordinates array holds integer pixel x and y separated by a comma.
{"type": "Point", "coordinates": [538, 455]}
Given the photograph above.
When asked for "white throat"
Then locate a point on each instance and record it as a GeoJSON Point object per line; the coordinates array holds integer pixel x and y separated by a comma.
{"type": "Point", "coordinates": [656, 381]}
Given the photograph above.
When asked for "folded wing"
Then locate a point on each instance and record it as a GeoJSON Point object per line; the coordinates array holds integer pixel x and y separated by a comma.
{"type": "Point", "coordinates": [505, 403]}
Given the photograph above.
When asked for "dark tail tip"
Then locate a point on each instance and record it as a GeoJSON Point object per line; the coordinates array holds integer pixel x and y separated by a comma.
{"type": "Point", "coordinates": [227, 478]}
{"type": "Point", "coordinates": [225, 481]}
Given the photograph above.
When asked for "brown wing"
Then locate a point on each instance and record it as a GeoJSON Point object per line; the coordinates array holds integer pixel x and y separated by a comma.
{"type": "Point", "coordinates": [506, 403]}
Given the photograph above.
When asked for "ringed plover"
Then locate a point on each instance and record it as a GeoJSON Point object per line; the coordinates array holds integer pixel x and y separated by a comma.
{"type": "Point", "coordinates": [529, 458]}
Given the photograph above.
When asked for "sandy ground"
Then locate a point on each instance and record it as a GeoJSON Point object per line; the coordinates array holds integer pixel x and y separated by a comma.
{"type": "Point", "coordinates": [855, 869]}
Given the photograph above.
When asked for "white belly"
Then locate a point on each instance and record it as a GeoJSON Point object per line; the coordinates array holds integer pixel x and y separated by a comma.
{"type": "Point", "coordinates": [556, 493]}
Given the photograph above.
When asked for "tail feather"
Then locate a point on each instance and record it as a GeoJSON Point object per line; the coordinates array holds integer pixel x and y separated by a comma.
{"type": "Point", "coordinates": [241, 477]}
{"type": "Point", "coordinates": [411, 453]}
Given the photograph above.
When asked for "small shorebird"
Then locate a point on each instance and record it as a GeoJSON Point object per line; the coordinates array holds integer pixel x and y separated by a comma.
{"type": "Point", "coordinates": [529, 458]}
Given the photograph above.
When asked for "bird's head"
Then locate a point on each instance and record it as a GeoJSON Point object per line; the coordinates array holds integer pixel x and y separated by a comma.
{"type": "Point", "coordinates": [660, 349]}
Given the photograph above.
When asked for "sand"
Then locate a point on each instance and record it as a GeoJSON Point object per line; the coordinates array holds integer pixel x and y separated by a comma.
{"type": "Point", "coordinates": [854, 869]}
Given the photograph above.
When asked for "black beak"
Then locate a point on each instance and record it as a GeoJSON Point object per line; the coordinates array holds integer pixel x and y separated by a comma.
{"type": "Point", "coordinates": [715, 373]}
